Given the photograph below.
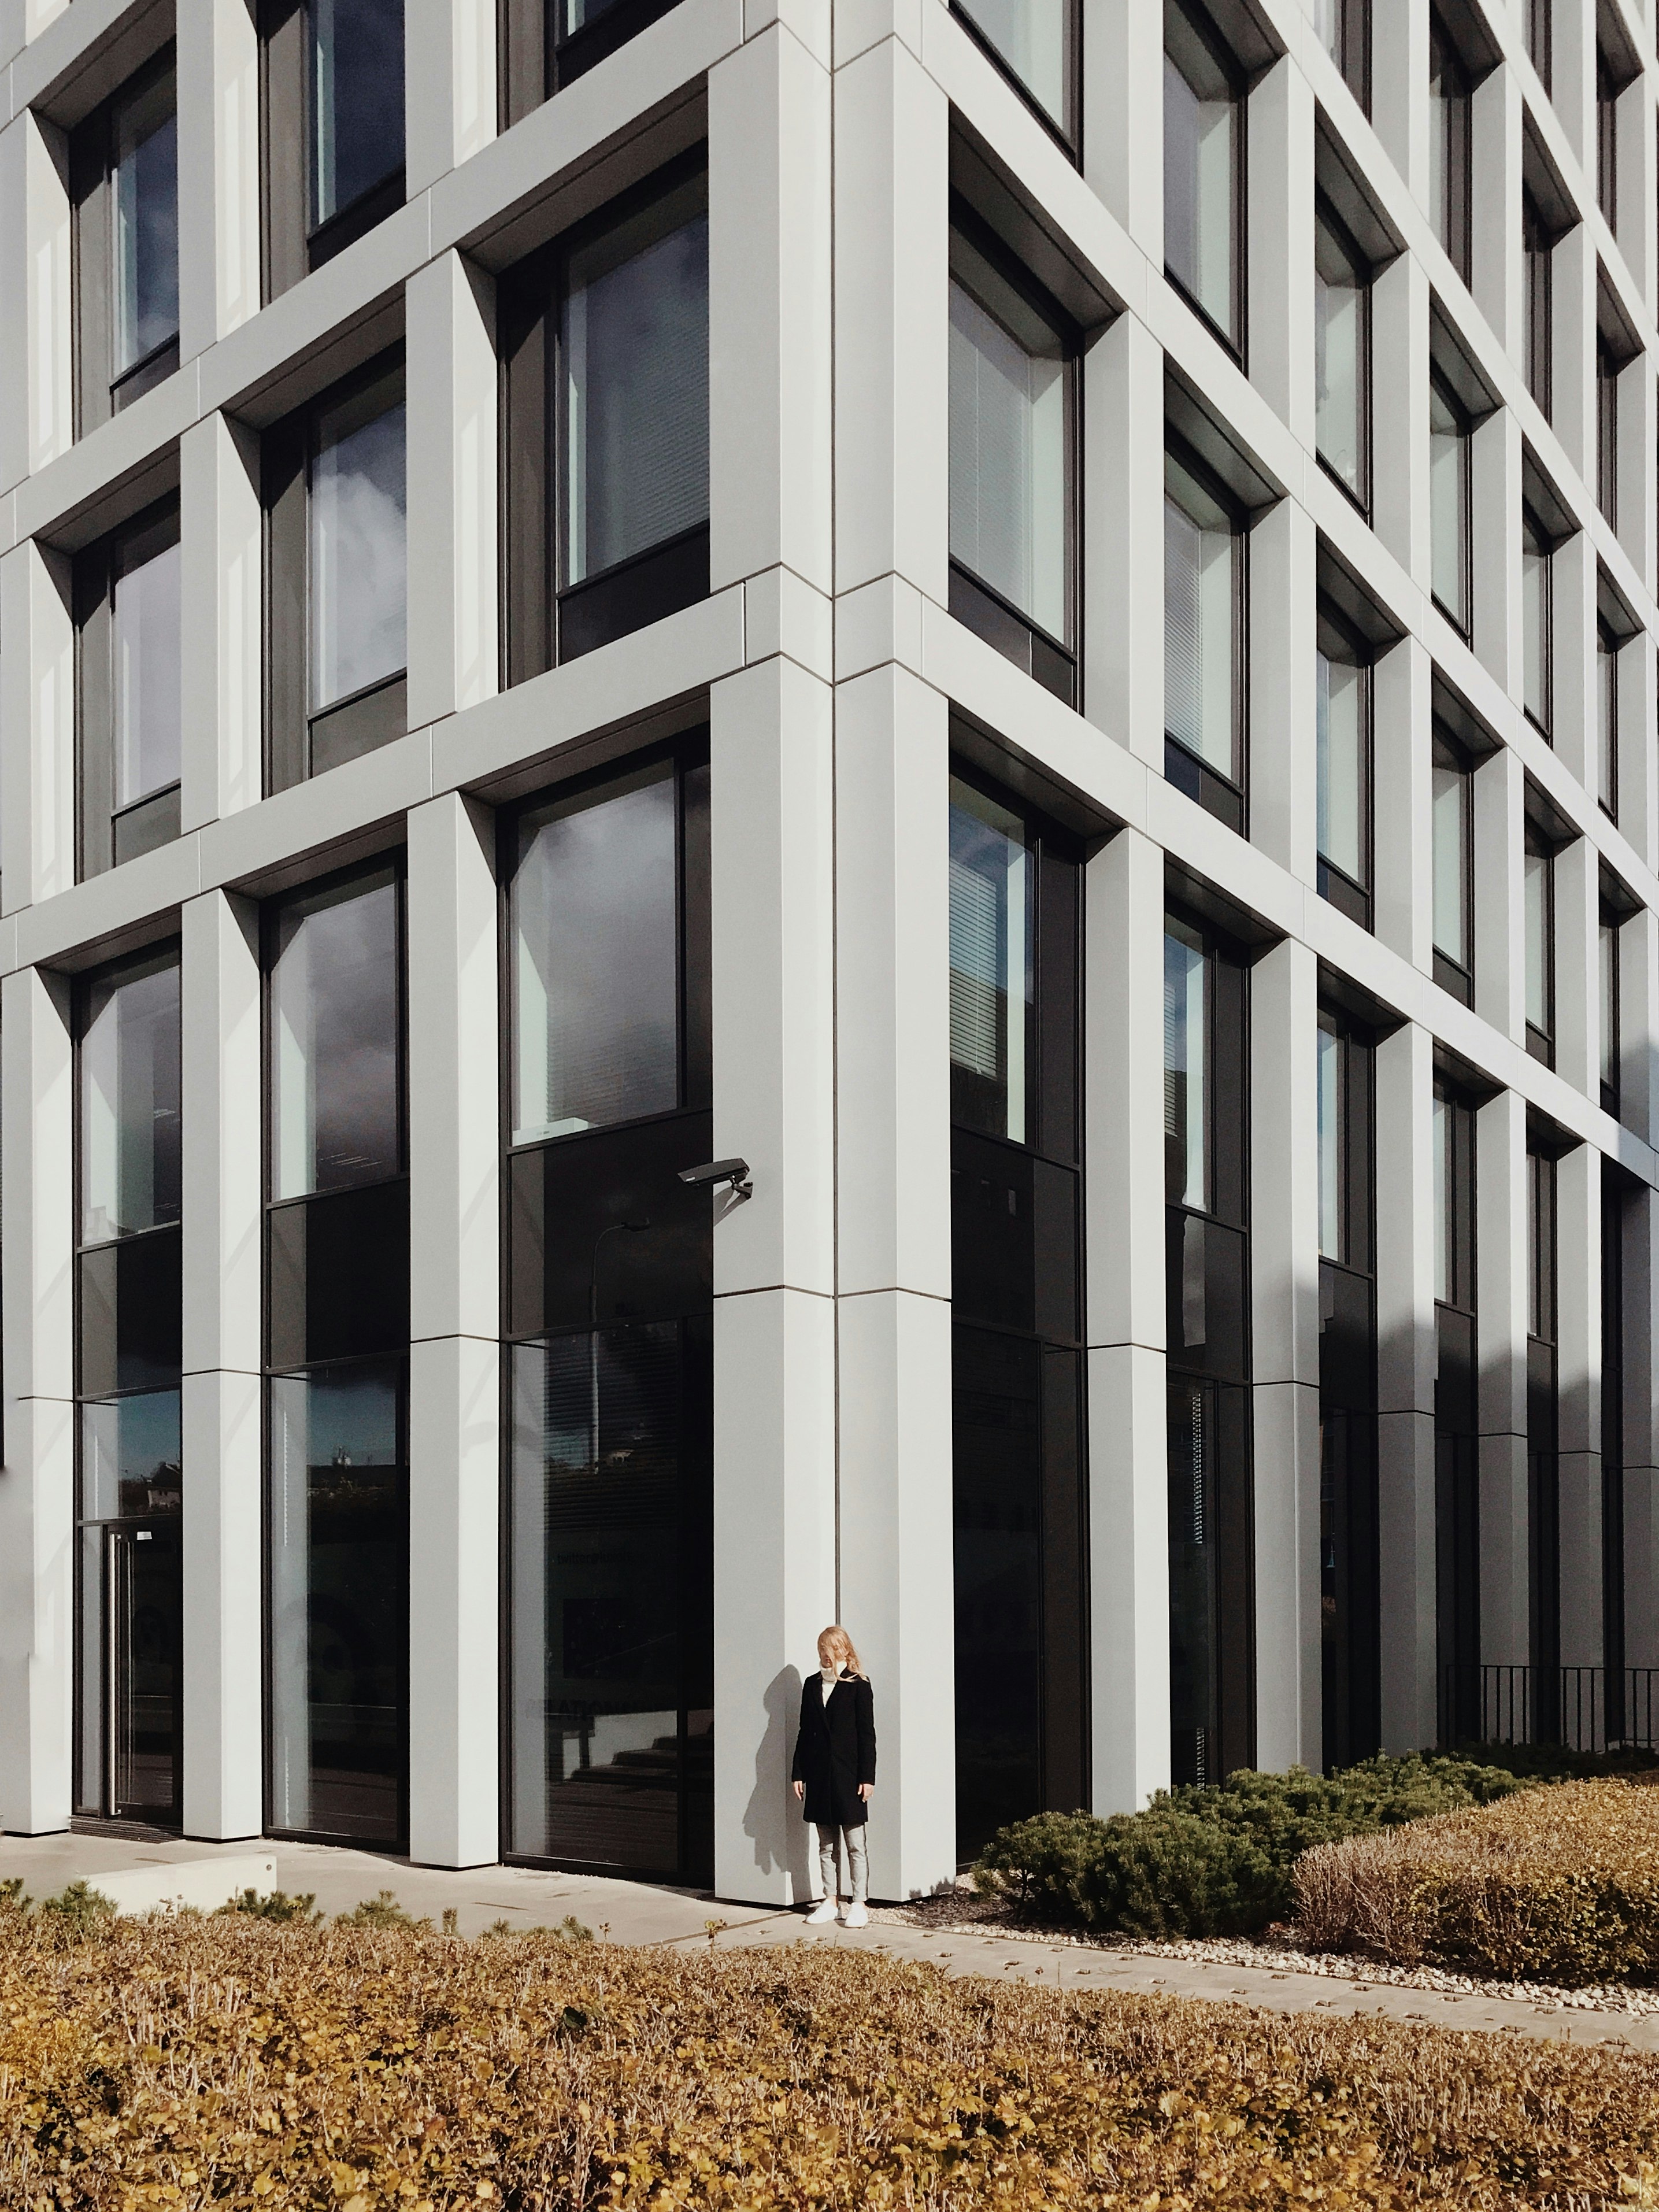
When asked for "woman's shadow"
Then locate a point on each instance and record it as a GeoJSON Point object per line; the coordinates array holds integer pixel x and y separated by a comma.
{"type": "Point", "coordinates": [772, 1819]}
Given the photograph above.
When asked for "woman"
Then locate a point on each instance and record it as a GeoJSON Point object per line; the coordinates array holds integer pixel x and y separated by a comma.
{"type": "Point", "coordinates": [835, 1769]}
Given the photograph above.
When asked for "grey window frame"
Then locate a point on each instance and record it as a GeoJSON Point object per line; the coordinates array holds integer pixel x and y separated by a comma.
{"type": "Point", "coordinates": [1532, 526]}
{"type": "Point", "coordinates": [1537, 246]}
{"type": "Point", "coordinates": [98, 394]}
{"type": "Point", "coordinates": [1067, 129]}
{"type": "Point", "coordinates": [1461, 619]}
{"type": "Point", "coordinates": [536, 62]}
{"type": "Point", "coordinates": [372, 717]}
{"type": "Point", "coordinates": [1541, 1042]}
{"type": "Point", "coordinates": [1540, 41]}
{"type": "Point", "coordinates": [1350, 895]}
{"type": "Point", "coordinates": [106, 836]}
{"type": "Point", "coordinates": [1326, 218]}
{"type": "Point", "coordinates": [1226, 798]}
{"type": "Point", "coordinates": [1460, 154]}
{"type": "Point", "coordinates": [1203, 27]}
{"type": "Point", "coordinates": [1452, 975]}
{"type": "Point", "coordinates": [289, 249]}
{"type": "Point", "coordinates": [1608, 367]}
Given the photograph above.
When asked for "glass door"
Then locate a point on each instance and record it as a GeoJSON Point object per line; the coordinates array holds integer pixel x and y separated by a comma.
{"type": "Point", "coordinates": [143, 1683]}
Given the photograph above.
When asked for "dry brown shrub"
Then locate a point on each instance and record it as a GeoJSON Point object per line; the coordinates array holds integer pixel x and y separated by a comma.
{"type": "Point", "coordinates": [1558, 1885]}
{"type": "Point", "coordinates": [233, 2062]}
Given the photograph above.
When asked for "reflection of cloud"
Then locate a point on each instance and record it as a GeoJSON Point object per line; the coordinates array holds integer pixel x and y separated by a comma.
{"type": "Point", "coordinates": [358, 560]}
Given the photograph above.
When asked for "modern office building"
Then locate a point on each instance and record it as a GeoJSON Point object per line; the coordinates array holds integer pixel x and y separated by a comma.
{"type": "Point", "coordinates": [1023, 628]}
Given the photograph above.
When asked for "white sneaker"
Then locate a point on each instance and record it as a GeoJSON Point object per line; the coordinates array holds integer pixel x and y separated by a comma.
{"type": "Point", "coordinates": [820, 1913]}
{"type": "Point", "coordinates": [855, 1917]}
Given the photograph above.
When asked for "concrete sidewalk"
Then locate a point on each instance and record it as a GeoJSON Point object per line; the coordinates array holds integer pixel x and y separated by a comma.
{"type": "Point", "coordinates": [635, 1912]}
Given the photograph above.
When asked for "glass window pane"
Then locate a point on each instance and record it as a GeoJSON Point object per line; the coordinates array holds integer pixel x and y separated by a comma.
{"type": "Point", "coordinates": [1331, 1070]}
{"type": "Point", "coordinates": [1034, 38]}
{"type": "Point", "coordinates": [130, 1456]}
{"type": "Point", "coordinates": [1186, 1067]}
{"type": "Point", "coordinates": [1608, 951]}
{"type": "Point", "coordinates": [634, 339]}
{"type": "Point", "coordinates": [1339, 341]}
{"type": "Point", "coordinates": [148, 645]}
{"type": "Point", "coordinates": [1198, 623]}
{"type": "Point", "coordinates": [355, 52]}
{"type": "Point", "coordinates": [597, 1615]}
{"type": "Point", "coordinates": [1448, 506]}
{"type": "Point", "coordinates": [1449, 804]}
{"type": "Point", "coordinates": [1444, 1187]}
{"type": "Point", "coordinates": [595, 961]}
{"type": "Point", "coordinates": [334, 1044]}
{"type": "Point", "coordinates": [359, 557]}
{"type": "Point", "coordinates": [1607, 719]}
{"type": "Point", "coordinates": [990, 969]}
{"type": "Point", "coordinates": [144, 210]}
{"type": "Point", "coordinates": [338, 1620]}
{"type": "Point", "coordinates": [1201, 173]}
{"type": "Point", "coordinates": [1008, 462]}
{"type": "Point", "coordinates": [1535, 893]}
{"type": "Point", "coordinates": [1340, 756]}
{"type": "Point", "coordinates": [1534, 630]}
{"type": "Point", "coordinates": [130, 1119]}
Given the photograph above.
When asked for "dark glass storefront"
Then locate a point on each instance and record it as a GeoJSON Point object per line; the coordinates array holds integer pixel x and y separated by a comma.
{"type": "Point", "coordinates": [1456, 1451]}
{"type": "Point", "coordinates": [129, 1684]}
{"type": "Point", "coordinates": [609, 1278]}
{"type": "Point", "coordinates": [337, 1317]}
{"type": "Point", "coordinates": [1015, 1219]}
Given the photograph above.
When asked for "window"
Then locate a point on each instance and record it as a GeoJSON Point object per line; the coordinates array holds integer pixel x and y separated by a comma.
{"type": "Point", "coordinates": [1538, 913]}
{"type": "Point", "coordinates": [332, 119]}
{"type": "Point", "coordinates": [1537, 619]}
{"type": "Point", "coordinates": [1342, 351]}
{"type": "Point", "coordinates": [1203, 581]}
{"type": "Point", "coordinates": [1017, 1328]}
{"type": "Point", "coordinates": [1607, 431]}
{"type": "Point", "coordinates": [337, 1321]}
{"type": "Point", "coordinates": [1203, 168]}
{"type": "Point", "coordinates": [549, 44]}
{"type": "Point", "coordinates": [128, 1360]}
{"type": "Point", "coordinates": [337, 570]}
{"type": "Point", "coordinates": [1344, 29]}
{"type": "Point", "coordinates": [1539, 245]}
{"type": "Point", "coordinates": [1607, 976]}
{"type": "Point", "coordinates": [1452, 814]}
{"type": "Point", "coordinates": [1608, 88]}
{"type": "Point", "coordinates": [124, 182]}
{"type": "Point", "coordinates": [1607, 719]}
{"type": "Point", "coordinates": [1543, 1445]}
{"type": "Point", "coordinates": [1458, 1487]}
{"type": "Point", "coordinates": [1450, 106]}
{"type": "Point", "coordinates": [1449, 502]}
{"type": "Point", "coordinates": [604, 343]}
{"type": "Point", "coordinates": [1206, 1270]}
{"type": "Point", "coordinates": [1343, 768]}
{"type": "Point", "coordinates": [1012, 471]}
{"type": "Point", "coordinates": [1037, 43]}
{"type": "Point", "coordinates": [1540, 29]}
{"type": "Point", "coordinates": [1349, 1611]}
{"type": "Point", "coordinates": [609, 1282]}
{"type": "Point", "coordinates": [131, 642]}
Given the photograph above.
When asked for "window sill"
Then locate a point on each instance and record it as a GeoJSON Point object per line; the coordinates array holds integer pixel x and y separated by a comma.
{"type": "Point", "coordinates": [1338, 888]}
{"type": "Point", "coordinates": [634, 593]}
{"type": "Point", "coordinates": [1456, 981]}
{"type": "Point", "coordinates": [595, 42]}
{"type": "Point", "coordinates": [989, 616]}
{"type": "Point", "coordinates": [1213, 792]}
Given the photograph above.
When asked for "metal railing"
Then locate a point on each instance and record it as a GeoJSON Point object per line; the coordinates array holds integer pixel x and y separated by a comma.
{"type": "Point", "coordinates": [1590, 1709]}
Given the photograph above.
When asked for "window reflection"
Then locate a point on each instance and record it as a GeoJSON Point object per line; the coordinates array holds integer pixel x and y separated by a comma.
{"type": "Point", "coordinates": [335, 1023]}
{"type": "Point", "coordinates": [1341, 299]}
{"type": "Point", "coordinates": [144, 212]}
{"type": "Point", "coordinates": [356, 54]}
{"type": "Point", "coordinates": [148, 648]}
{"type": "Point", "coordinates": [1202, 124]}
{"type": "Point", "coordinates": [1449, 803]}
{"type": "Point", "coordinates": [990, 964]}
{"type": "Point", "coordinates": [1186, 1075]}
{"type": "Point", "coordinates": [1034, 38]}
{"type": "Point", "coordinates": [595, 906]}
{"type": "Point", "coordinates": [1449, 502]}
{"type": "Point", "coordinates": [1535, 623]}
{"type": "Point", "coordinates": [359, 558]}
{"type": "Point", "coordinates": [130, 1456]}
{"type": "Point", "coordinates": [130, 1117]}
{"type": "Point", "coordinates": [1341, 766]}
{"type": "Point", "coordinates": [634, 342]}
{"type": "Point", "coordinates": [1200, 598]}
{"type": "Point", "coordinates": [1331, 1072]}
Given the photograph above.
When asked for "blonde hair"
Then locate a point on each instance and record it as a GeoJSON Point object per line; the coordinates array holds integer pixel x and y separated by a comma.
{"type": "Point", "coordinates": [841, 1648]}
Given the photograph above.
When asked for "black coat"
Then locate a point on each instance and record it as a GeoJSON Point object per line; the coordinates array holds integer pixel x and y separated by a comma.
{"type": "Point", "coordinates": [836, 1751]}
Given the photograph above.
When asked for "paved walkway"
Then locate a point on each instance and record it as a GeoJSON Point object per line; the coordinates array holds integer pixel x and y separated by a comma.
{"type": "Point", "coordinates": [634, 1912]}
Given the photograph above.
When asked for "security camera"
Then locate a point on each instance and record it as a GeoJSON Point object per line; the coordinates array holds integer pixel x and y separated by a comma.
{"type": "Point", "coordinates": [713, 1172]}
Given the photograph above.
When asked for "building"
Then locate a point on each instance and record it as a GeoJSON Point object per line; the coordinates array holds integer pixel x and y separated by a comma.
{"type": "Point", "coordinates": [1027, 628]}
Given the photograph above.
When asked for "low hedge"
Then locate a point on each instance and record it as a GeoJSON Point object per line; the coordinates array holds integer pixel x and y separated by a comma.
{"type": "Point", "coordinates": [1558, 1885]}
{"type": "Point", "coordinates": [1216, 1860]}
{"type": "Point", "coordinates": [239, 2062]}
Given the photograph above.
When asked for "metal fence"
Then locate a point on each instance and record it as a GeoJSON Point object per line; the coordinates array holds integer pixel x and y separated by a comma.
{"type": "Point", "coordinates": [1583, 1708]}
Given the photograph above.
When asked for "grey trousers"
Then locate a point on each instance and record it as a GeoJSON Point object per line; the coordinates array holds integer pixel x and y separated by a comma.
{"type": "Point", "coordinates": [857, 1860]}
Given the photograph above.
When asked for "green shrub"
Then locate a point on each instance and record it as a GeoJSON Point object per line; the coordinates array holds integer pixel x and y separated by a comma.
{"type": "Point", "coordinates": [380, 1910]}
{"type": "Point", "coordinates": [1217, 1859]}
{"type": "Point", "coordinates": [78, 1908]}
{"type": "Point", "coordinates": [276, 1904]}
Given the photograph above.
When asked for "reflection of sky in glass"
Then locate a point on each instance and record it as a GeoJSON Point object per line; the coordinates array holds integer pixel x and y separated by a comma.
{"type": "Point", "coordinates": [1330, 1145]}
{"type": "Point", "coordinates": [1449, 788]}
{"type": "Point", "coordinates": [1444, 1286]}
{"type": "Point", "coordinates": [338, 1418]}
{"type": "Point", "coordinates": [334, 1019]}
{"type": "Point", "coordinates": [990, 952]}
{"type": "Point", "coordinates": [1033, 38]}
{"type": "Point", "coordinates": [595, 934]}
{"type": "Point", "coordinates": [357, 50]}
{"type": "Point", "coordinates": [359, 555]}
{"type": "Point", "coordinates": [130, 1123]}
{"type": "Point", "coordinates": [1199, 180]}
{"type": "Point", "coordinates": [1008, 463]}
{"type": "Point", "coordinates": [145, 215]}
{"type": "Point", "coordinates": [1339, 746]}
{"type": "Point", "coordinates": [130, 1456]}
{"type": "Point", "coordinates": [149, 642]}
{"type": "Point", "coordinates": [1186, 1130]}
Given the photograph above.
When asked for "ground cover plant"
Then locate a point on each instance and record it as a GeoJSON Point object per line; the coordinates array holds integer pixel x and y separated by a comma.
{"type": "Point", "coordinates": [1218, 1860]}
{"type": "Point", "coordinates": [1558, 1885]}
{"type": "Point", "coordinates": [242, 2061]}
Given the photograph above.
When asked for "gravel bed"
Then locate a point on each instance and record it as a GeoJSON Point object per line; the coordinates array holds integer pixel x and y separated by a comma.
{"type": "Point", "coordinates": [963, 1913]}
